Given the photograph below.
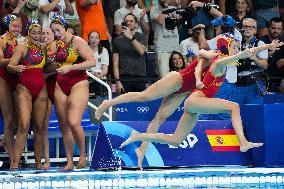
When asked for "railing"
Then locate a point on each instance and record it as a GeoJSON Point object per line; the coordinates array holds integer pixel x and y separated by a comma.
{"type": "Point", "coordinates": [109, 115]}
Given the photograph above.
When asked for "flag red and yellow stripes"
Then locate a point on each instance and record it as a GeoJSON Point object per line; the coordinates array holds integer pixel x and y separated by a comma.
{"type": "Point", "coordinates": [223, 140]}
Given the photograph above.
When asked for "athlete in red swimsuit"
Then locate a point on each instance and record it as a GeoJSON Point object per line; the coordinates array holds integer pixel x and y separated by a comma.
{"type": "Point", "coordinates": [28, 61]}
{"type": "Point", "coordinates": [8, 81]}
{"type": "Point", "coordinates": [174, 87]}
{"type": "Point", "coordinates": [72, 88]}
{"type": "Point", "coordinates": [67, 55]}
{"type": "Point", "coordinates": [199, 102]}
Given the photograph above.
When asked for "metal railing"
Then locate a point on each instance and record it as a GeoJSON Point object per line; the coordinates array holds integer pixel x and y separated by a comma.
{"type": "Point", "coordinates": [109, 115]}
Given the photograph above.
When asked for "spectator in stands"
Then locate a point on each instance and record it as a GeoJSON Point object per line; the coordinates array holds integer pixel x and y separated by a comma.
{"type": "Point", "coordinates": [130, 7]}
{"type": "Point", "coordinates": [31, 9]}
{"type": "Point", "coordinates": [227, 6]}
{"type": "Point", "coordinates": [14, 7]}
{"type": "Point", "coordinates": [147, 5]}
{"type": "Point", "coordinates": [129, 58]}
{"type": "Point", "coordinates": [92, 18]}
{"type": "Point", "coordinates": [164, 40]}
{"type": "Point", "coordinates": [49, 9]}
{"type": "Point", "coordinates": [74, 20]}
{"type": "Point", "coordinates": [265, 10]}
{"type": "Point", "coordinates": [8, 82]}
{"type": "Point", "coordinates": [31, 97]}
{"type": "Point", "coordinates": [190, 46]}
{"type": "Point", "coordinates": [109, 9]}
{"type": "Point", "coordinates": [249, 88]}
{"type": "Point", "coordinates": [276, 70]}
{"type": "Point", "coordinates": [243, 10]}
{"type": "Point", "coordinates": [275, 32]}
{"type": "Point", "coordinates": [72, 88]}
{"type": "Point", "coordinates": [176, 61]}
{"type": "Point", "coordinates": [204, 13]}
{"type": "Point", "coordinates": [102, 62]}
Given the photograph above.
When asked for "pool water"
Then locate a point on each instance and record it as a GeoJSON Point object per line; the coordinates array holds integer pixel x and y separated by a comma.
{"type": "Point", "coordinates": [195, 177]}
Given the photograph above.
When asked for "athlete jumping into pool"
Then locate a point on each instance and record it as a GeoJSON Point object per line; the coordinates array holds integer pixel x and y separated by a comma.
{"type": "Point", "coordinates": [201, 101]}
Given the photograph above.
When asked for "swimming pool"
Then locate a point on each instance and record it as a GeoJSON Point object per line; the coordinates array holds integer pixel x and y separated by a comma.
{"type": "Point", "coordinates": [195, 177]}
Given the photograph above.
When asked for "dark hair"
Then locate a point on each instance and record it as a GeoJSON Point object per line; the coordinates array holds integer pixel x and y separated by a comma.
{"type": "Point", "coordinates": [171, 65]}
{"type": "Point", "coordinates": [275, 19]}
{"type": "Point", "coordinates": [130, 14]}
{"type": "Point", "coordinates": [225, 27]}
{"type": "Point", "coordinates": [100, 47]}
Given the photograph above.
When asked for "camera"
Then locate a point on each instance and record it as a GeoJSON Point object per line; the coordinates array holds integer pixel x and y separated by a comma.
{"type": "Point", "coordinates": [185, 20]}
{"type": "Point", "coordinates": [186, 14]}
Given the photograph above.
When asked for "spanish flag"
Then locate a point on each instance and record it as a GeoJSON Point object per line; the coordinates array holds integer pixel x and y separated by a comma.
{"type": "Point", "coordinates": [223, 140]}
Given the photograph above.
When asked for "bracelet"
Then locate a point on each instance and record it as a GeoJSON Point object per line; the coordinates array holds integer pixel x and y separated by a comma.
{"type": "Point", "coordinates": [133, 38]}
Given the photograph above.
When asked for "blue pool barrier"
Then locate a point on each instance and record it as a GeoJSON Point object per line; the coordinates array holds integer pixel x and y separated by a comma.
{"type": "Point", "coordinates": [88, 126]}
{"type": "Point", "coordinates": [265, 123]}
{"type": "Point", "coordinates": [208, 144]}
{"type": "Point", "coordinates": [262, 123]}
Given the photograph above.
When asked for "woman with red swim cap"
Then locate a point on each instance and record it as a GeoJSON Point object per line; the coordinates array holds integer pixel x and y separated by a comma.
{"type": "Point", "coordinates": [201, 101]}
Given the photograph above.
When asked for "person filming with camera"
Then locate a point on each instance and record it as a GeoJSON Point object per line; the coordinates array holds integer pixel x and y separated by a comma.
{"type": "Point", "coordinates": [249, 88]}
{"type": "Point", "coordinates": [165, 41]}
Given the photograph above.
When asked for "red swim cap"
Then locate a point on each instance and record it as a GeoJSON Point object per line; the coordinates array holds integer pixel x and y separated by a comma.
{"type": "Point", "coordinates": [223, 44]}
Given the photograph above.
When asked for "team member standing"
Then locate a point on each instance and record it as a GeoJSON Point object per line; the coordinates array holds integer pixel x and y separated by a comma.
{"type": "Point", "coordinates": [28, 61]}
{"type": "Point", "coordinates": [8, 82]}
{"type": "Point", "coordinates": [72, 88]}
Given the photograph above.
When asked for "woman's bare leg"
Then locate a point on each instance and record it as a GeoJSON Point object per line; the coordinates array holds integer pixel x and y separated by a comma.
{"type": "Point", "coordinates": [45, 136]}
{"type": "Point", "coordinates": [198, 103]}
{"type": "Point", "coordinates": [169, 105]}
{"type": "Point", "coordinates": [38, 119]}
{"type": "Point", "coordinates": [61, 106]}
{"type": "Point", "coordinates": [163, 87]}
{"type": "Point", "coordinates": [185, 125]}
{"type": "Point", "coordinates": [77, 102]}
{"type": "Point", "coordinates": [24, 104]}
{"type": "Point", "coordinates": [7, 109]}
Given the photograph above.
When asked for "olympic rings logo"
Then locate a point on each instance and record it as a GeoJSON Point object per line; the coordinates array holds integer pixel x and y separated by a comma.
{"type": "Point", "coordinates": [143, 109]}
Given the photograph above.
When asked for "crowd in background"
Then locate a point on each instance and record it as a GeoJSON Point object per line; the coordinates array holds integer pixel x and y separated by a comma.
{"type": "Point", "coordinates": [106, 19]}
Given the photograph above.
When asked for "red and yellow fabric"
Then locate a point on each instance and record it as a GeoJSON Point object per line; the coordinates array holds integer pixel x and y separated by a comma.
{"type": "Point", "coordinates": [223, 140]}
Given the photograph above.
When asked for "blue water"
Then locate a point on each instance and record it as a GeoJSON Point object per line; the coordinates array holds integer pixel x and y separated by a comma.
{"type": "Point", "coordinates": [197, 177]}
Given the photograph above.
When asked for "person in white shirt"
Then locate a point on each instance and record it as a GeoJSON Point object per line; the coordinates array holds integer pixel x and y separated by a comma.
{"type": "Point", "coordinates": [51, 8]}
{"type": "Point", "coordinates": [102, 61]}
{"type": "Point", "coordinates": [165, 41]}
{"type": "Point", "coordinates": [130, 7]}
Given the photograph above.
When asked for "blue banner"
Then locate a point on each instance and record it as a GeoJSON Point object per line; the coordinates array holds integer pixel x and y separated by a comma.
{"type": "Point", "coordinates": [196, 149]}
